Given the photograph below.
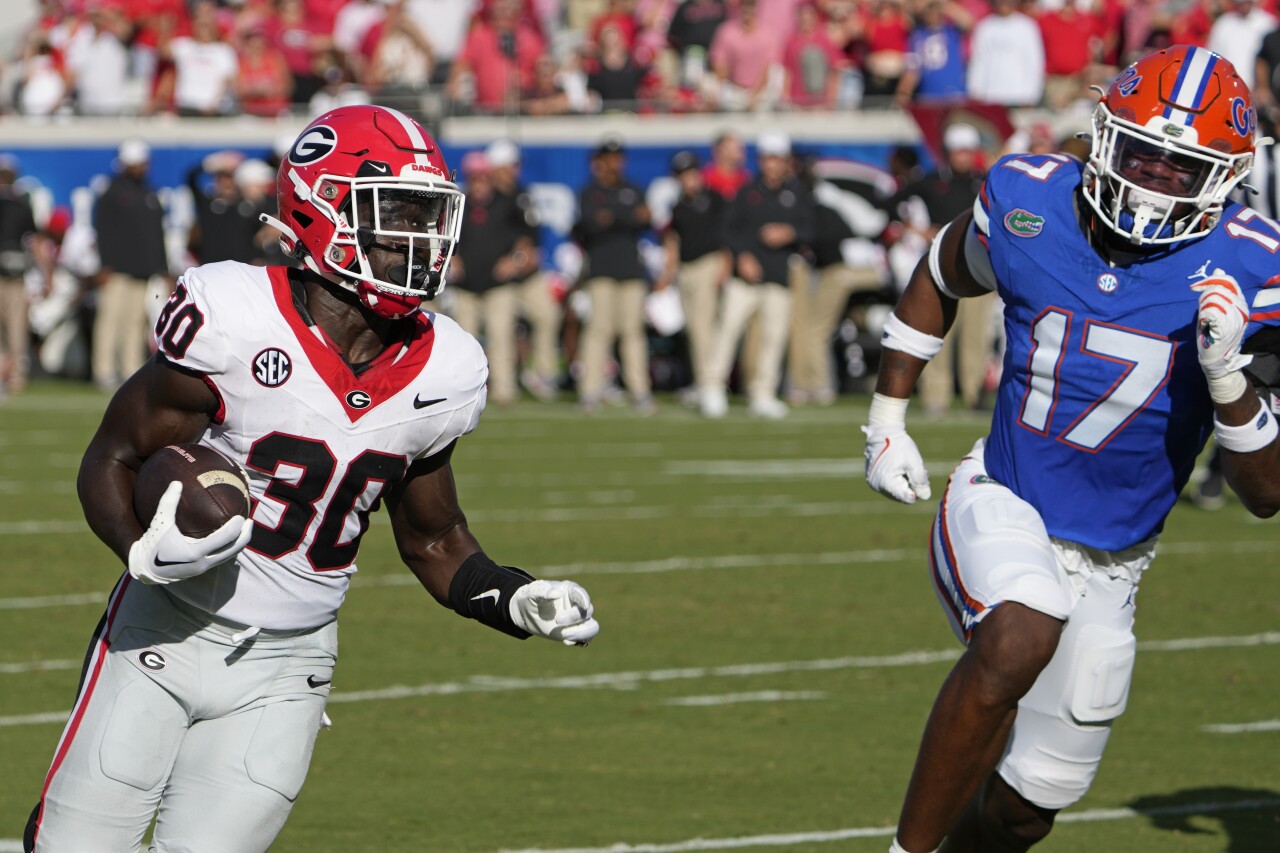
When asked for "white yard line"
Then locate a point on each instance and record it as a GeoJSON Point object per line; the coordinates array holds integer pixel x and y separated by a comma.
{"type": "Point", "coordinates": [736, 698]}
{"type": "Point", "coordinates": [668, 564]}
{"type": "Point", "coordinates": [34, 527]}
{"type": "Point", "coordinates": [1243, 728]}
{"type": "Point", "coordinates": [52, 601]}
{"type": "Point", "coordinates": [38, 666]}
{"type": "Point", "coordinates": [36, 719]}
{"type": "Point", "coordinates": [631, 680]}
{"type": "Point", "coordinates": [818, 837]}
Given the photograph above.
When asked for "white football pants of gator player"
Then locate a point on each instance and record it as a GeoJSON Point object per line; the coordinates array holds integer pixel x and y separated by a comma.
{"type": "Point", "coordinates": [989, 546]}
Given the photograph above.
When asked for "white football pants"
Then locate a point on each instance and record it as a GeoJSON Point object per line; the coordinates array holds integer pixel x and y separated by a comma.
{"type": "Point", "coordinates": [175, 716]}
{"type": "Point", "coordinates": [989, 546]}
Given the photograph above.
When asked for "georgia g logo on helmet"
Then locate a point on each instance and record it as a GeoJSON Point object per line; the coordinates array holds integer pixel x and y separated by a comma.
{"type": "Point", "coordinates": [316, 144]}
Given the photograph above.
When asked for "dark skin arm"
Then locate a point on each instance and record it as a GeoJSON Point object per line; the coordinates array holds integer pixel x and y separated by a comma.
{"type": "Point", "coordinates": [1255, 477]}
{"type": "Point", "coordinates": [429, 526]}
{"type": "Point", "coordinates": [925, 308]}
{"type": "Point", "coordinates": [178, 406]}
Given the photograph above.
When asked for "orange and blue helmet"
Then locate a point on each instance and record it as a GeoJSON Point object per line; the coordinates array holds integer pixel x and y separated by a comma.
{"type": "Point", "coordinates": [1172, 137]}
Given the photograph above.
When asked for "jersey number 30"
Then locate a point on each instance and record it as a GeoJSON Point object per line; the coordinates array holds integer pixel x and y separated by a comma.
{"type": "Point", "coordinates": [1148, 360]}
{"type": "Point", "coordinates": [301, 470]}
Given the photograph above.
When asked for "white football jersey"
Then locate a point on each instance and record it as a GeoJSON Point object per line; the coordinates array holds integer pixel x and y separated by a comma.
{"type": "Point", "coordinates": [321, 444]}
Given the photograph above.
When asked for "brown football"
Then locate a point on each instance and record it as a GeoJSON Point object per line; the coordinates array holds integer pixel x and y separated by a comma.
{"type": "Point", "coordinates": [214, 488]}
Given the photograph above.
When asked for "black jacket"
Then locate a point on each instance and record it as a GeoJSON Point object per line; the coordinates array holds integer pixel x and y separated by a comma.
{"type": "Point", "coordinates": [490, 230]}
{"type": "Point", "coordinates": [757, 205]}
{"type": "Point", "coordinates": [130, 226]}
{"type": "Point", "coordinates": [610, 222]}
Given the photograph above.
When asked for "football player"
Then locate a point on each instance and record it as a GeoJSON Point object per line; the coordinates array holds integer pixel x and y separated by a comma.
{"type": "Point", "coordinates": [207, 678]}
{"type": "Point", "coordinates": [1130, 283]}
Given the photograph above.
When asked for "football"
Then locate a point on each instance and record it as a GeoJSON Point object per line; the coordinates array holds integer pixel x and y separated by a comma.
{"type": "Point", "coordinates": [214, 488]}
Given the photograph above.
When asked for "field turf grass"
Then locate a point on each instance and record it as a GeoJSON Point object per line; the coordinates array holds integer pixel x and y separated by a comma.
{"type": "Point", "coordinates": [770, 648]}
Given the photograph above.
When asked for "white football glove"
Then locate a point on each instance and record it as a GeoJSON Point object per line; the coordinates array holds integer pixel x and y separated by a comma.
{"type": "Point", "coordinates": [557, 610]}
{"type": "Point", "coordinates": [894, 465]}
{"type": "Point", "coordinates": [164, 555]}
{"type": "Point", "coordinates": [1221, 319]}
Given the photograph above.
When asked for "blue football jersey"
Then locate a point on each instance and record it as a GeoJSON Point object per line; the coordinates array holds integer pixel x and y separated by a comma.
{"type": "Point", "coordinates": [1102, 407]}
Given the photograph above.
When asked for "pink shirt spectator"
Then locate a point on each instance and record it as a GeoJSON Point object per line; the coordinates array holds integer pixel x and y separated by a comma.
{"type": "Point", "coordinates": [747, 54]}
{"type": "Point", "coordinates": [494, 72]}
{"type": "Point", "coordinates": [779, 17]}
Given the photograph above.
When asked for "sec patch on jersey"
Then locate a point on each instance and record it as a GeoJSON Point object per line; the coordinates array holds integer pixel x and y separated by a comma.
{"type": "Point", "coordinates": [214, 488]}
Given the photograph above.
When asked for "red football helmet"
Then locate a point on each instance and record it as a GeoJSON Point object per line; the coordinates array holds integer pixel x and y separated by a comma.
{"type": "Point", "coordinates": [363, 177]}
{"type": "Point", "coordinates": [1171, 138]}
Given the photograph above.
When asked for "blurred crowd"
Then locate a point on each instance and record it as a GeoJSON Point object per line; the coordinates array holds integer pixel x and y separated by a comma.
{"type": "Point", "coordinates": [545, 57]}
{"type": "Point", "coordinates": [767, 276]}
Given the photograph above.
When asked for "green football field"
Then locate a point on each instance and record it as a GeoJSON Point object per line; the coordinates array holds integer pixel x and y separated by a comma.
{"type": "Point", "coordinates": [770, 647]}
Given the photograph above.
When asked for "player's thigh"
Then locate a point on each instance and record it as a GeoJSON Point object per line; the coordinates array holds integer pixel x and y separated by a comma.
{"type": "Point", "coordinates": [989, 546]}
{"type": "Point", "coordinates": [124, 733]}
{"type": "Point", "coordinates": [236, 777]}
{"type": "Point", "coordinates": [1064, 721]}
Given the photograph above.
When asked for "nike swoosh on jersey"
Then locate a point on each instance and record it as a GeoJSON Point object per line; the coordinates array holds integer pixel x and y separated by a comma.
{"type": "Point", "coordinates": [486, 594]}
{"type": "Point", "coordinates": [314, 682]}
{"type": "Point", "coordinates": [419, 403]}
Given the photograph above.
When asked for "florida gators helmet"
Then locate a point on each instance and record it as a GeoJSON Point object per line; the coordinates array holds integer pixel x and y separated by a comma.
{"type": "Point", "coordinates": [1172, 137]}
{"type": "Point", "coordinates": [361, 177]}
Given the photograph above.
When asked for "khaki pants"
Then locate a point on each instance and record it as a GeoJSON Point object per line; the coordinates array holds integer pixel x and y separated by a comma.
{"type": "Point", "coordinates": [494, 312]}
{"type": "Point", "coordinates": [543, 313]}
{"type": "Point", "coordinates": [699, 293]}
{"type": "Point", "coordinates": [617, 313]}
{"type": "Point", "coordinates": [769, 301]}
{"type": "Point", "coordinates": [14, 333]}
{"type": "Point", "coordinates": [120, 330]}
{"type": "Point", "coordinates": [817, 307]}
{"type": "Point", "coordinates": [964, 356]}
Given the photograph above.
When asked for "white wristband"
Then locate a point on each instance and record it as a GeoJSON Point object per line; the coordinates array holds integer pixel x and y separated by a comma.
{"type": "Point", "coordinates": [898, 335]}
{"type": "Point", "coordinates": [887, 411]}
{"type": "Point", "coordinates": [1247, 438]}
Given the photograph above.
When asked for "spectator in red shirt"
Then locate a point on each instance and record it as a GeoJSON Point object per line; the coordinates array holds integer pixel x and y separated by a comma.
{"type": "Point", "coordinates": [885, 32]}
{"type": "Point", "coordinates": [812, 62]}
{"type": "Point", "coordinates": [498, 56]}
{"type": "Point", "coordinates": [299, 37]}
{"type": "Point", "coordinates": [264, 84]}
{"type": "Point", "coordinates": [619, 14]}
{"type": "Point", "coordinates": [1072, 43]}
{"type": "Point", "coordinates": [727, 172]}
{"type": "Point", "coordinates": [322, 13]}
